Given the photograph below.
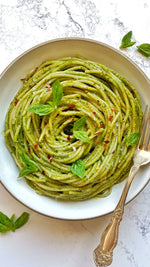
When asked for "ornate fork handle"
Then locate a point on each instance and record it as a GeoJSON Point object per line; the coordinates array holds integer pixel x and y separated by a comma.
{"type": "Point", "coordinates": [103, 254]}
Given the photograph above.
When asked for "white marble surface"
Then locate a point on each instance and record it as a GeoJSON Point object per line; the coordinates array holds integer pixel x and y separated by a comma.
{"type": "Point", "coordinates": [46, 241]}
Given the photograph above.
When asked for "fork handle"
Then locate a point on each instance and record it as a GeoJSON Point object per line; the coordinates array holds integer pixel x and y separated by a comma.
{"type": "Point", "coordinates": [103, 254]}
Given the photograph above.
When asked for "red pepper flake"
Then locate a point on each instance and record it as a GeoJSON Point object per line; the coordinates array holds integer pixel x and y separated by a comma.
{"type": "Point", "coordinates": [112, 109]}
{"type": "Point", "coordinates": [35, 146]}
{"type": "Point", "coordinates": [48, 89]}
{"type": "Point", "coordinates": [132, 92]}
{"type": "Point", "coordinates": [101, 125]}
{"type": "Point", "coordinates": [72, 106]}
{"type": "Point", "coordinates": [110, 117]}
{"type": "Point", "coordinates": [98, 142]}
{"type": "Point", "coordinates": [63, 107]}
{"type": "Point", "coordinates": [98, 101]}
{"type": "Point", "coordinates": [72, 119]}
{"type": "Point", "coordinates": [43, 172]}
{"type": "Point", "coordinates": [51, 160]}
{"type": "Point", "coordinates": [68, 137]}
{"type": "Point", "coordinates": [45, 123]}
{"type": "Point", "coordinates": [87, 103]}
{"type": "Point", "coordinates": [23, 79]}
{"type": "Point", "coordinates": [113, 152]}
{"type": "Point", "coordinates": [16, 101]}
{"type": "Point", "coordinates": [97, 132]}
{"type": "Point", "coordinates": [36, 68]}
{"type": "Point", "coordinates": [29, 151]}
{"type": "Point", "coordinates": [105, 145]}
{"type": "Point", "coordinates": [90, 109]}
{"type": "Point", "coordinates": [48, 156]}
{"type": "Point", "coordinates": [38, 151]}
{"type": "Point", "coordinates": [107, 141]}
{"type": "Point", "coordinates": [30, 86]}
{"type": "Point", "coordinates": [94, 112]}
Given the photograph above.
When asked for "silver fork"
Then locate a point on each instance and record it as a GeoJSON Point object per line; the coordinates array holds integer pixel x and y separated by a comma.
{"type": "Point", "coordinates": [103, 254]}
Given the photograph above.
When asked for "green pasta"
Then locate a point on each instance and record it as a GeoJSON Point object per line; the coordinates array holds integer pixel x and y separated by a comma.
{"type": "Point", "coordinates": [86, 130]}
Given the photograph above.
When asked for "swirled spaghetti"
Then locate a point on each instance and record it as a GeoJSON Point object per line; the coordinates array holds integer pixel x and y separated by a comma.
{"type": "Point", "coordinates": [113, 112]}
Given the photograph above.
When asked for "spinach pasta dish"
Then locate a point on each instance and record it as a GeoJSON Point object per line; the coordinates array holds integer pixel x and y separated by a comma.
{"type": "Point", "coordinates": [72, 128]}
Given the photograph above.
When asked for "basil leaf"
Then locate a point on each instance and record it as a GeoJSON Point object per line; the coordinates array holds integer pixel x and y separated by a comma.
{"type": "Point", "coordinates": [79, 124]}
{"type": "Point", "coordinates": [78, 168]}
{"type": "Point", "coordinates": [27, 170]}
{"type": "Point", "coordinates": [7, 224]}
{"type": "Point", "coordinates": [3, 228]}
{"type": "Point", "coordinates": [21, 220]}
{"type": "Point", "coordinates": [5, 221]}
{"type": "Point", "coordinates": [144, 49]}
{"type": "Point", "coordinates": [30, 165]}
{"type": "Point", "coordinates": [82, 135]}
{"type": "Point", "coordinates": [42, 109]}
{"type": "Point", "coordinates": [27, 160]}
{"type": "Point", "coordinates": [57, 93]}
{"type": "Point", "coordinates": [133, 139]}
{"type": "Point", "coordinates": [126, 40]}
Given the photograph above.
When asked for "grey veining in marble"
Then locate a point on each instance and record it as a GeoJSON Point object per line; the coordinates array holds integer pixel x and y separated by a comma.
{"type": "Point", "coordinates": [46, 241]}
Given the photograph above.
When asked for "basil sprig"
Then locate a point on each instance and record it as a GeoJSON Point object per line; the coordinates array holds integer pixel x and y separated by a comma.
{"type": "Point", "coordinates": [144, 49]}
{"type": "Point", "coordinates": [49, 107]}
{"type": "Point", "coordinates": [10, 224]}
{"type": "Point", "coordinates": [82, 135]}
{"type": "Point", "coordinates": [78, 168]}
{"type": "Point", "coordinates": [30, 165]}
{"type": "Point", "coordinates": [132, 139]}
{"type": "Point", "coordinates": [78, 134]}
{"type": "Point", "coordinates": [126, 40]}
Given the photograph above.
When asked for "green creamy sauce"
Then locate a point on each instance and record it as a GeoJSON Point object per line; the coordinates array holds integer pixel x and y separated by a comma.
{"type": "Point", "coordinates": [113, 111]}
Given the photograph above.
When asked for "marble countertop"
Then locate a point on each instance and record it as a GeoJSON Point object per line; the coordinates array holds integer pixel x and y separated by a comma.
{"type": "Point", "coordinates": [45, 241]}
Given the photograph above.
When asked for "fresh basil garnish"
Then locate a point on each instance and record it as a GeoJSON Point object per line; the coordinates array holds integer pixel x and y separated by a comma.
{"type": "Point", "coordinates": [78, 168]}
{"type": "Point", "coordinates": [21, 220]}
{"type": "Point", "coordinates": [82, 135]}
{"type": "Point", "coordinates": [42, 109]}
{"type": "Point", "coordinates": [45, 109]}
{"type": "Point", "coordinates": [126, 40]}
{"type": "Point", "coordinates": [10, 224]}
{"type": "Point", "coordinates": [79, 124]}
{"type": "Point", "coordinates": [144, 49]}
{"type": "Point", "coordinates": [57, 93]}
{"type": "Point", "coordinates": [30, 165]}
{"type": "Point", "coordinates": [132, 139]}
{"type": "Point", "coordinates": [78, 134]}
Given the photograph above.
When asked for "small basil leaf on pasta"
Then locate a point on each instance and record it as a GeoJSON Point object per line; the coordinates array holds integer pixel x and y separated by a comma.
{"type": "Point", "coordinates": [78, 168]}
{"type": "Point", "coordinates": [126, 40]}
{"type": "Point", "coordinates": [24, 217]}
{"type": "Point", "coordinates": [144, 49]}
{"type": "Point", "coordinates": [57, 93]}
{"type": "Point", "coordinates": [133, 139]}
{"type": "Point", "coordinates": [79, 124]}
{"type": "Point", "coordinates": [27, 160]}
{"type": "Point", "coordinates": [82, 135]}
{"type": "Point", "coordinates": [30, 165]}
{"type": "Point", "coordinates": [27, 170]}
{"type": "Point", "coordinates": [42, 109]}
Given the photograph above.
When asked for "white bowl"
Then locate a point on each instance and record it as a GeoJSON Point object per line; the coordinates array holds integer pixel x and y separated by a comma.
{"type": "Point", "coordinates": [10, 84]}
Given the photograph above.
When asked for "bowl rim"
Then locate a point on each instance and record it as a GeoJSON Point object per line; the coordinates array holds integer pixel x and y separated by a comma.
{"type": "Point", "coordinates": [83, 40]}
